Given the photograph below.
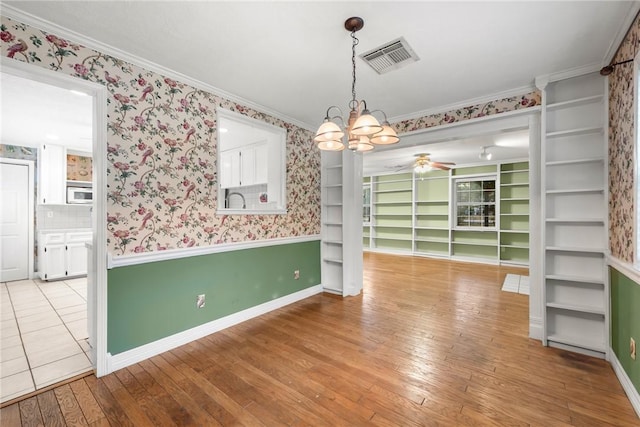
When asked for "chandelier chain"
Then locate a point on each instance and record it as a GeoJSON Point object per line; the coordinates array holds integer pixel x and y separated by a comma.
{"type": "Point", "coordinates": [353, 65]}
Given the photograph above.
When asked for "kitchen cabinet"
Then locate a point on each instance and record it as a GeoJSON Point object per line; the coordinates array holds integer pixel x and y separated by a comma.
{"type": "Point", "coordinates": [241, 167]}
{"type": "Point", "coordinates": [62, 253]}
{"type": "Point", "coordinates": [52, 174]}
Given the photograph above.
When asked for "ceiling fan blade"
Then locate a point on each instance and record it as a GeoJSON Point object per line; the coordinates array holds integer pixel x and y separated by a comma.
{"type": "Point", "coordinates": [444, 163]}
{"type": "Point", "coordinates": [440, 166]}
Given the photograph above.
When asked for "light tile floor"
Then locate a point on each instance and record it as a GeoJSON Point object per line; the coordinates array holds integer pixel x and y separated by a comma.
{"type": "Point", "coordinates": [43, 334]}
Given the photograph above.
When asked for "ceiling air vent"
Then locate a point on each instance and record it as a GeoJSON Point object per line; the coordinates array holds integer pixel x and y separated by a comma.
{"type": "Point", "coordinates": [391, 56]}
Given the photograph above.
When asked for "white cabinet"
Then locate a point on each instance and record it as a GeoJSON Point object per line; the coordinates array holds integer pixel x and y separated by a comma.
{"type": "Point", "coordinates": [244, 166]}
{"type": "Point", "coordinates": [62, 254]}
{"type": "Point", "coordinates": [574, 153]}
{"type": "Point", "coordinates": [52, 174]}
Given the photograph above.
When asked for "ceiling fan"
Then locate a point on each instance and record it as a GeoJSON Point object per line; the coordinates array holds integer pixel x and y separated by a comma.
{"type": "Point", "coordinates": [424, 163]}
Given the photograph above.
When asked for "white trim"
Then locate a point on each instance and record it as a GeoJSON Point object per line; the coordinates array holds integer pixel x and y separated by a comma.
{"type": "Point", "coordinates": [623, 29]}
{"type": "Point", "coordinates": [636, 123]}
{"type": "Point", "coordinates": [535, 328]}
{"type": "Point", "coordinates": [135, 355]}
{"type": "Point", "coordinates": [47, 26]}
{"type": "Point", "coordinates": [31, 237]}
{"type": "Point", "coordinates": [625, 268]}
{"type": "Point", "coordinates": [625, 381]}
{"type": "Point", "coordinates": [99, 220]}
{"type": "Point", "coordinates": [573, 72]}
{"type": "Point", "coordinates": [466, 103]}
{"type": "Point", "coordinates": [516, 119]}
{"type": "Point", "coordinates": [143, 258]}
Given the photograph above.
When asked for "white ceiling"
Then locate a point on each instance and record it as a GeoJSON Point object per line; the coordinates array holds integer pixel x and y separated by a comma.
{"type": "Point", "coordinates": [35, 113]}
{"type": "Point", "coordinates": [293, 57]}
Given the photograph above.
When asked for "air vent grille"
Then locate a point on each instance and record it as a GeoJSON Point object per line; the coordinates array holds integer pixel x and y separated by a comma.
{"type": "Point", "coordinates": [391, 56]}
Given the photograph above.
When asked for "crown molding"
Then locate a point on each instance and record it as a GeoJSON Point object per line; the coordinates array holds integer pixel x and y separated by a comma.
{"type": "Point", "coordinates": [50, 27]}
{"type": "Point", "coordinates": [573, 72]}
{"type": "Point", "coordinates": [623, 29]}
{"type": "Point", "coordinates": [473, 101]}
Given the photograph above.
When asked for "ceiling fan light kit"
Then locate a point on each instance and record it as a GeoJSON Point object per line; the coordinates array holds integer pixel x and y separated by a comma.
{"type": "Point", "coordinates": [424, 164]}
{"type": "Point", "coordinates": [484, 155]}
{"type": "Point", "coordinates": [362, 129]}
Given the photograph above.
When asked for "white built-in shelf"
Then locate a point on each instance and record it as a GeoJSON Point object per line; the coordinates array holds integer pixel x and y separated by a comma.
{"type": "Point", "coordinates": [576, 190]}
{"type": "Point", "coordinates": [431, 201]}
{"type": "Point", "coordinates": [574, 132]}
{"type": "Point", "coordinates": [394, 180]}
{"type": "Point", "coordinates": [334, 167]}
{"type": "Point", "coordinates": [570, 278]}
{"type": "Point", "coordinates": [577, 307]}
{"type": "Point", "coordinates": [515, 231]}
{"type": "Point", "coordinates": [576, 220]}
{"type": "Point", "coordinates": [575, 161]}
{"type": "Point", "coordinates": [333, 260]}
{"type": "Point", "coordinates": [333, 185]}
{"type": "Point", "coordinates": [457, 242]}
{"type": "Point", "coordinates": [333, 204]}
{"type": "Point", "coordinates": [514, 171]}
{"type": "Point", "coordinates": [514, 214]}
{"type": "Point", "coordinates": [575, 249]}
{"type": "Point", "coordinates": [583, 342]}
{"type": "Point", "coordinates": [404, 190]}
{"type": "Point", "coordinates": [431, 214]}
{"type": "Point", "coordinates": [515, 199]}
{"type": "Point", "coordinates": [394, 203]}
{"type": "Point", "coordinates": [332, 223]}
{"type": "Point", "coordinates": [515, 246]}
{"type": "Point", "coordinates": [333, 242]}
{"type": "Point", "coordinates": [434, 240]}
{"type": "Point", "coordinates": [515, 184]}
{"type": "Point", "coordinates": [575, 102]}
{"type": "Point", "coordinates": [404, 239]}
{"type": "Point", "coordinates": [431, 228]}
{"type": "Point", "coordinates": [393, 226]}
{"type": "Point", "coordinates": [390, 214]}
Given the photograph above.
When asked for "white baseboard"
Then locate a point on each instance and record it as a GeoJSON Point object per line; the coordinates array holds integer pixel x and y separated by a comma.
{"type": "Point", "coordinates": [138, 354]}
{"type": "Point", "coordinates": [625, 381]}
{"type": "Point", "coordinates": [535, 328]}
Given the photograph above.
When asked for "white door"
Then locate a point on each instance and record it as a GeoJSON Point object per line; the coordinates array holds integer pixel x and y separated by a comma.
{"type": "Point", "coordinates": [14, 222]}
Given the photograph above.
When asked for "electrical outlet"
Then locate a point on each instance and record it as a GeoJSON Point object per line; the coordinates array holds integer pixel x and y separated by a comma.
{"type": "Point", "coordinates": [296, 274]}
{"type": "Point", "coordinates": [632, 348]}
{"type": "Point", "coordinates": [200, 301]}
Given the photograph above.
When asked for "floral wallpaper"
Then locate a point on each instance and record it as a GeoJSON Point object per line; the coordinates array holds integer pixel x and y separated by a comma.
{"type": "Point", "coordinates": [471, 112]}
{"type": "Point", "coordinates": [621, 149]}
{"type": "Point", "coordinates": [162, 153]}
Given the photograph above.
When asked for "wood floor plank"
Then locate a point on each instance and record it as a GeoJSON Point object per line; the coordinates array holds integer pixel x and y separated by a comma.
{"type": "Point", "coordinates": [50, 409]}
{"type": "Point", "coordinates": [69, 406]}
{"type": "Point", "coordinates": [90, 408]}
{"type": "Point", "coordinates": [428, 342]}
{"type": "Point", "coordinates": [30, 412]}
{"type": "Point", "coordinates": [10, 416]}
{"type": "Point", "coordinates": [110, 406]}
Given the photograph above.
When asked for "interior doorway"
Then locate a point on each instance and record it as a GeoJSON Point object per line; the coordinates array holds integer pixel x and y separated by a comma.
{"type": "Point", "coordinates": [92, 288]}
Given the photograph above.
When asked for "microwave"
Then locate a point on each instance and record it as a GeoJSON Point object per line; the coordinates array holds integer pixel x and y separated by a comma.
{"type": "Point", "coordinates": [79, 195]}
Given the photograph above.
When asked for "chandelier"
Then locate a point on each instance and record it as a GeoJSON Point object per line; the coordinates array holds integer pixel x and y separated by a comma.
{"type": "Point", "coordinates": [362, 129]}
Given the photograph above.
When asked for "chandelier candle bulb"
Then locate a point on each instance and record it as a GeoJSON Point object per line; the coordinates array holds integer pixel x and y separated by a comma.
{"type": "Point", "coordinates": [363, 130]}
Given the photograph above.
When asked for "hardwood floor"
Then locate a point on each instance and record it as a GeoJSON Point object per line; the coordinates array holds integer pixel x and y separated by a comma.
{"type": "Point", "coordinates": [429, 342]}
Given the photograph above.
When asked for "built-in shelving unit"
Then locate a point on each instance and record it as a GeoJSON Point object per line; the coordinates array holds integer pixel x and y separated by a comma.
{"type": "Point", "coordinates": [415, 214]}
{"type": "Point", "coordinates": [332, 207]}
{"type": "Point", "coordinates": [392, 199]}
{"type": "Point", "coordinates": [366, 212]}
{"type": "Point", "coordinates": [431, 214]}
{"type": "Point", "coordinates": [514, 213]}
{"type": "Point", "coordinates": [574, 185]}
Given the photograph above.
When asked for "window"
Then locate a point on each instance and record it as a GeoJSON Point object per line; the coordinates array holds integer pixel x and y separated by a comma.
{"type": "Point", "coordinates": [251, 165]}
{"type": "Point", "coordinates": [475, 202]}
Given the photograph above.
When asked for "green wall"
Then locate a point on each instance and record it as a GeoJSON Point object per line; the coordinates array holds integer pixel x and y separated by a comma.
{"type": "Point", "coordinates": [147, 302]}
{"type": "Point", "coordinates": [625, 322]}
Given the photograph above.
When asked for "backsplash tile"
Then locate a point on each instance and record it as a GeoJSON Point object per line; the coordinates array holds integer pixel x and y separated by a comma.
{"type": "Point", "coordinates": [63, 216]}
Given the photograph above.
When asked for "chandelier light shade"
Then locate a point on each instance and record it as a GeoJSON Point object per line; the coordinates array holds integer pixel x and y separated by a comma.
{"type": "Point", "coordinates": [362, 130]}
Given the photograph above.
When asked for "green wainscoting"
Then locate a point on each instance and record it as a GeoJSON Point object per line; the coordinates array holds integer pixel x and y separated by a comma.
{"type": "Point", "coordinates": [625, 322]}
{"type": "Point", "coordinates": [147, 302]}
